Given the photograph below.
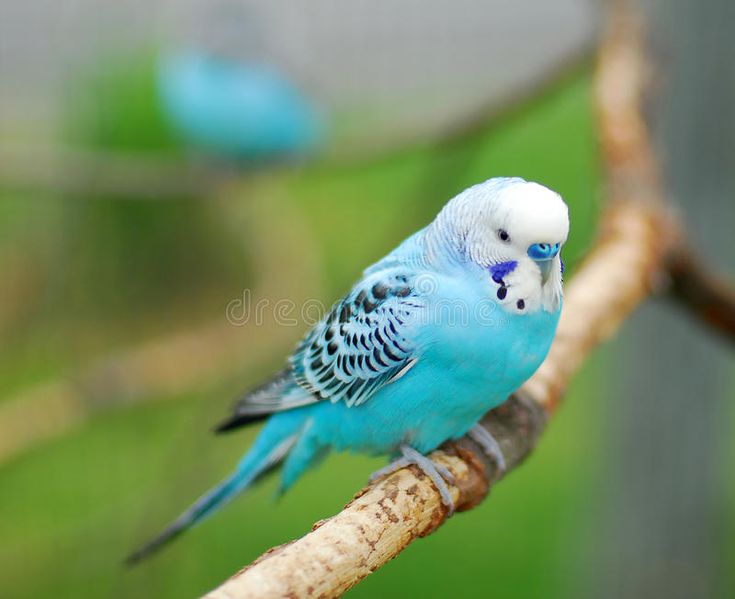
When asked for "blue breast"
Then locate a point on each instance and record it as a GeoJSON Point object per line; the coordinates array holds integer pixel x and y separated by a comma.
{"type": "Point", "coordinates": [470, 361]}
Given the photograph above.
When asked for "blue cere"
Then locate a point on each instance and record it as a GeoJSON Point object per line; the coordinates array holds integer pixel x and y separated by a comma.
{"type": "Point", "coordinates": [543, 251]}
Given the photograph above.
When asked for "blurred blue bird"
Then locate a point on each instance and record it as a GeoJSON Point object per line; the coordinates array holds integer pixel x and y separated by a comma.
{"type": "Point", "coordinates": [441, 330]}
{"type": "Point", "coordinates": [238, 109]}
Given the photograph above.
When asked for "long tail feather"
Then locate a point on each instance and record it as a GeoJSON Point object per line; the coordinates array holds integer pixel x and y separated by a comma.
{"type": "Point", "coordinates": [205, 505]}
{"type": "Point", "coordinates": [267, 453]}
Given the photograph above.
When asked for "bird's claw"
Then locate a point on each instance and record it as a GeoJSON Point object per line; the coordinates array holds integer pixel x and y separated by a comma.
{"type": "Point", "coordinates": [480, 435]}
{"type": "Point", "coordinates": [389, 469]}
{"type": "Point", "coordinates": [437, 473]}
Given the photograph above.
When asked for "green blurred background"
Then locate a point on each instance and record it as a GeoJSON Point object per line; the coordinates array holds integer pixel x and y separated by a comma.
{"type": "Point", "coordinates": [118, 357]}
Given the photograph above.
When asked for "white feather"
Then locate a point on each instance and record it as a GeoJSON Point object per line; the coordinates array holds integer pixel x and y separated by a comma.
{"type": "Point", "coordinates": [470, 225]}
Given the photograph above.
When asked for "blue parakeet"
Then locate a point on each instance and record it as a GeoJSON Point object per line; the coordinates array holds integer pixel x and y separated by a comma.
{"type": "Point", "coordinates": [441, 330]}
{"type": "Point", "coordinates": [236, 108]}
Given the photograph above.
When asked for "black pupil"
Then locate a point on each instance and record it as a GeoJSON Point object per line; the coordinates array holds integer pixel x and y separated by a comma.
{"type": "Point", "coordinates": [503, 235]}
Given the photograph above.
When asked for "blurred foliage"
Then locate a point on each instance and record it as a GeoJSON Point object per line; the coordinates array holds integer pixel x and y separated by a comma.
{"type": "Point", "coordinates": [79, 504]}
{"type": "Point", "coordinates": [140, 254]}
{"type": "Point", "coordinates": [114, 105]}
{"type": "Point", "coordinates": [104, 271]}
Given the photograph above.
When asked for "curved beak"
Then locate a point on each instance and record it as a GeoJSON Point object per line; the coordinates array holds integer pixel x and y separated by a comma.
{"type": "Point", "coordinates": [543, 254]}
{"type": "Point", "coordinates": [545, 267]}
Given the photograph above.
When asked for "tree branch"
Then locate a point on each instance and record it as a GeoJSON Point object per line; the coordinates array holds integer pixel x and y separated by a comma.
{"type": "Point", "coordinates": [626, 264]}
{"type": "Point", "coordinates": [706, 296]}
{"type": "Point", "coordinates": [100, 173]}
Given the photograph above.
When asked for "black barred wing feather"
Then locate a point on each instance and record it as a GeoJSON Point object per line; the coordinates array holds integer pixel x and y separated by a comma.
{"type": "Point", "coordinates": [275, 395]}
{"type": "Point", "coordinates": [363, 343]}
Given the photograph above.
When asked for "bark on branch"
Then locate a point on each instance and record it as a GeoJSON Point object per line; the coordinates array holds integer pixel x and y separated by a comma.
{"type": "Point", "coordinates": [625, 266]}
{"type": "Point", "coordinates": [707, 297]}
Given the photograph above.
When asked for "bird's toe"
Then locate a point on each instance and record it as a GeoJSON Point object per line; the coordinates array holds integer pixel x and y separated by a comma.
{"type": "Point", "coordinates": [480, 435]}
{"type": "Point", "coordinates": [439, 474]}
{"type": "Point", "coordinates": [389, 469]}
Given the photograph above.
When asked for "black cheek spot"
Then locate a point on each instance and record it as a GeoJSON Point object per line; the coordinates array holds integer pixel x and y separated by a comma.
{"type": "Point", "coordinates": [502, 292]}
{"type": "Point", "coordinates": [403, 291]}
{"type": "Point", "coordinates": [520, 304]}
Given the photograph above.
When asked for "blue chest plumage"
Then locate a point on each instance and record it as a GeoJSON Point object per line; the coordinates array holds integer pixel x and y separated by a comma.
{"type": "Point", "coordinates": [469, 359]}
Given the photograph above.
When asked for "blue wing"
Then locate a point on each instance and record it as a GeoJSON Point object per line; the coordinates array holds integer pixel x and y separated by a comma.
{"type": "Point", "coordinates": [363, 343]}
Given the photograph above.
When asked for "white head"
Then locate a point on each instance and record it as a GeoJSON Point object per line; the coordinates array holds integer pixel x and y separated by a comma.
{"type": "Point", "coordinates": [508, 220]}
